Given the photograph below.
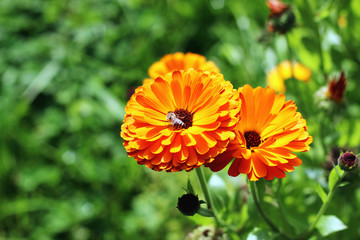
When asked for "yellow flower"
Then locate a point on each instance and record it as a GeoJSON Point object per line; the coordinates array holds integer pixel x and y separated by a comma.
{"type": "Point", "coordinates": [180, 121]}
{"type": "Point", "coordinates": [181, 61]}
{"type": "Point", "coordinates": [276, 81]}
{"type": "Point", "coordinates": [285, 70]}
{"type": "Point", "coordinates": [269, 131]}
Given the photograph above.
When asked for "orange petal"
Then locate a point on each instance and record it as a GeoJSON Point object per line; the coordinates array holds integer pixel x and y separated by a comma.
{"type": "Point", "coordinates": [234, 168]}
{"type": "Point", "coordinates": [220, 161]}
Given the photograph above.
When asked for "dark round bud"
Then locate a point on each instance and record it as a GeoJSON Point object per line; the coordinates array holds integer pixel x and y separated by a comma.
{"type": "Point", "coordinates": [188, 204]}
{"type": "Point", "coordinates": [348, 161]}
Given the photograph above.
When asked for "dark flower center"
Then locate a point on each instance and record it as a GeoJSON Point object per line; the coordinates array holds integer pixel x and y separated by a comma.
{"type": "Point", "coordinates": [252, 139]}
{"type": "Point", "coordinates": [349, 158]}
{"type": "Point", "coordinates": [185, 116]}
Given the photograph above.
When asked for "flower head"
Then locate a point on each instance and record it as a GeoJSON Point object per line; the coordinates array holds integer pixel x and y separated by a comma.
{"type": "Point", "coordinates": [336, 88]}
{"type": "Point", "coordinates": [285, 70]}
{"type": "Point", "coordinates": [180, 61]}
{"type": "Point", "coordinates": [180, 121]}
{"type": "Point", "coordinates": [348, 161]}
{"type": "Point", "coordinates": [269, 130]}
{"type": "Point", "coordinates": [281, 18]}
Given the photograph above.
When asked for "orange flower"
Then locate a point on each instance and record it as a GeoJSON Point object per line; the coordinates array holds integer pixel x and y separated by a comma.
{"type": "Point", "coordinates": [285, 70]}
{"type": "Point", "coordinates": [181, 61]}
{"type": "Point", "coordinates": [180, 121]}
{"type": "Point", "coordinates": [337, 88]}
{"type": "Point", "coordinates": [276, 7]}
{"type": "Point", "coordinates": [268, 132]}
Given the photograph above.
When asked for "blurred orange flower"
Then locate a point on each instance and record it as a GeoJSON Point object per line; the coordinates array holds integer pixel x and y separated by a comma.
{"type": "Point", "coordinates": [276, 7]}
{"type": "Point", "coordinates": [269, 130]}
{"type": "Point", "coordinates": [285, 70]}
{"type": "Point", "coordinates": [180, 121]}
{"type": "Point", "coordinates": [181, 61]}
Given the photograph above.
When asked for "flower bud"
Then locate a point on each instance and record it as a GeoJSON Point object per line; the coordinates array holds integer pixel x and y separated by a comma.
{"type": "Point", "coordinates": [348, 161]}
{"type": "Point", "coordinates": [337, 88]}
{"type": "Point", "coordinates": [188, 204]}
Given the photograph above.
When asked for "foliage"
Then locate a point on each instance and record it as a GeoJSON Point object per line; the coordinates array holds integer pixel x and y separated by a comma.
{"type": "Point", "coordinates": [67, 69]}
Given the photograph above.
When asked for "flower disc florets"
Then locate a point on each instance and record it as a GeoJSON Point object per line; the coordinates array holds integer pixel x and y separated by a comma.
{"type": "Point", "coordinates": [180, 121]}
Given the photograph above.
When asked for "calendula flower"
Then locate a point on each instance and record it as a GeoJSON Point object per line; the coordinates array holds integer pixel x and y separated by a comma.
{"type": "Point", "coordinates": [180, 121]}
{"type": "Point", "coordinates": [281, 17]}
{"type": "Point", "coordinates": [285, 70]}
{"type": "Point", "coordinates": [269, 131]}
{"type": "Point", "coordinates": [336, 88]}
{"type": "Point", "coordinates": [181, 61]}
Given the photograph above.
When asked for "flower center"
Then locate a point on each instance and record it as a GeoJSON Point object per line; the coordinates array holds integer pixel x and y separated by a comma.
{"type": "Point", "coordinates": [252, 139]}
{"type": "Point", "coordinates": [184, 116]}
{"type": "Point", "coordinates": [349, 158]}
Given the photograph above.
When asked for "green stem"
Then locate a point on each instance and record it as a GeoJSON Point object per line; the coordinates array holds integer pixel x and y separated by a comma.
{"type": "Point", "coordinates": [255, 196]}
{"type": "Point", "coordinates": [288, 227]}
{"type": "Point", "coordinates": [208, 199]}
{"type": "Point", "coordinates": [309, 231]}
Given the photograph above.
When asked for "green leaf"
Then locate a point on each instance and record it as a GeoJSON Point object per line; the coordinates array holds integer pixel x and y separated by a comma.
{"type": "Point", "coordinates": [190, 188]}
{"type": "Point", "coordinates": [41, 80]}
{"type": "Point", "coordinates": [329, 224]}
{"type": "Point", "coordinates": [321, 192]}
{"type": "Point", "coordinates": [205, 212]}
{"type": "Point", "coordinates": [260, 234]}
{"type": "Point", "coordinates": [343, 184]}
{"type": "Point", "coordinates": [323, 14]}
{"type": "Point", "coordinates": [334, 176]}
{"type": "Point", "coordinates": [201, 220]}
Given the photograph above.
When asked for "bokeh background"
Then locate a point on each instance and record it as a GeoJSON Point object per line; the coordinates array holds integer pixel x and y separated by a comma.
{"type": "Point", "coordinates": [68, 67]}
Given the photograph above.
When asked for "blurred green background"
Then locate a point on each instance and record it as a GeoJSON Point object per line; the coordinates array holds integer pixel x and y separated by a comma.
{"type": "Point", "coordinates": [67, 68]}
